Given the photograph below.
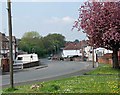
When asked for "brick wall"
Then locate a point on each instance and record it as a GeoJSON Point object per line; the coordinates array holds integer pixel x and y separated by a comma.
{"type": "Point", "coordinates": [107, 58]}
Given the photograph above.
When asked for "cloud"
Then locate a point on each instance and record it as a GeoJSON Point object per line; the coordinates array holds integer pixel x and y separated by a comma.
{"type": "Point", "coordinates": [67, 19]}
{"type": "Point", "coordinates": [63, 20]}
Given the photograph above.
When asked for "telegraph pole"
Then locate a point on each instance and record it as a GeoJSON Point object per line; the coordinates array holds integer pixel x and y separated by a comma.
{"type": "Point", "coordinates": [82, 53]}
{"type": "Point", "coordinates": [93, 56]}
{"type": "Point", "coordinates": [10, 43]}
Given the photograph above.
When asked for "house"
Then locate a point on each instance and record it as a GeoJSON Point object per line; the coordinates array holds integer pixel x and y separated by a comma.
{"type": "Point", "coordinates": [83, 50]}
{"type": "Point", "coordinates": [98, 52]}
{"type": "Point", "coordinates": [15, 46]}
{"type": "Point", "coordinates": [0, 59]}
{"type": "Point", "coordinates": [89, 54]}
{"type": "Point", "coordinates": [72, 49]}
{"type": "Point", "coordinates": [4, 45]}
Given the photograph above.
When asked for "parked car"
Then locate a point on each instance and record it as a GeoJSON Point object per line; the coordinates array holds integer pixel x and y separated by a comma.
{"type": "Point", "coordinates": [49, 58]}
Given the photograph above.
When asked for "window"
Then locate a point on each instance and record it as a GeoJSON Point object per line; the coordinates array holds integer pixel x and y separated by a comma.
{"type": "Point", "coordinates": [19, 58]}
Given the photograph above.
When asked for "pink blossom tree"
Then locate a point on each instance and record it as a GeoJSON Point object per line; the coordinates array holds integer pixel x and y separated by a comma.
{"type": "Point", "coordinates": [101, 22]}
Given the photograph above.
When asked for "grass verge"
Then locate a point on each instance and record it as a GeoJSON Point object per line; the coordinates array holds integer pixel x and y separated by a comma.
{"type": "Point", "coordinates": [104, 79]}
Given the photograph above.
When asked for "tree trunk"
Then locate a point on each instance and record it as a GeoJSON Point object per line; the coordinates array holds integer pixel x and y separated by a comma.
{"type": "Point", "coordinates": [115, 58]}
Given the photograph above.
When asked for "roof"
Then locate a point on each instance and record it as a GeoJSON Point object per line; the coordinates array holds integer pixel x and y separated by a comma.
{"type": "Point", "coordinates": [13, 38]}
{"type": "Point", "coordinates": [75, 46]}
{"type": "Point", "coordinates": [72, 46]}
{"type": "Point", "coordinates": [5, 38]}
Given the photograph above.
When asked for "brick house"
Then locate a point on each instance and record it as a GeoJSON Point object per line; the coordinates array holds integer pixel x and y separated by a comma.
{"type": "Point", "coordinates": [4, 45]}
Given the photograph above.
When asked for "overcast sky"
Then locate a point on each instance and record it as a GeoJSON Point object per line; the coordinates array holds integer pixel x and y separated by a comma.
{"type": "Point", "coordinates": [45, 18]}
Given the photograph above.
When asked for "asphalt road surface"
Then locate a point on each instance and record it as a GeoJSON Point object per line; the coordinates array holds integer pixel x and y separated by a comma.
{"type": "Point", "coordinates": [52, 69]}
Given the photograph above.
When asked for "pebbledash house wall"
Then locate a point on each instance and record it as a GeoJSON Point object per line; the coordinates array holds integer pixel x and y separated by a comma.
{"type": "Point", "coordinates": [69, 53]}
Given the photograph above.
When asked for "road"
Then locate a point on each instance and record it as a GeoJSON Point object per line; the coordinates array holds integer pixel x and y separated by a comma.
{"type": "Point", "coordinates": [54, 68]}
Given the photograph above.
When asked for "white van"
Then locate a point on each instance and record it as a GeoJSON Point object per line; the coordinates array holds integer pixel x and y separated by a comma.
{"type": "Point", "coordinates": [25, 59]}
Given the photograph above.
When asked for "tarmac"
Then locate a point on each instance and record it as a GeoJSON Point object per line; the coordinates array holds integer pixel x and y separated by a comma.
{"type": "Point", "coordinates": [78, 73]}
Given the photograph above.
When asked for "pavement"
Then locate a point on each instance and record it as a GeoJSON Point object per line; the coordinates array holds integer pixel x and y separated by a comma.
{"type": "Point", "coordinates": [25, 69]}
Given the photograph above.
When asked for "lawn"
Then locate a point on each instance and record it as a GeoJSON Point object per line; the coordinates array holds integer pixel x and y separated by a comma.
{"type": "Point", "coordinates": [104, 79]}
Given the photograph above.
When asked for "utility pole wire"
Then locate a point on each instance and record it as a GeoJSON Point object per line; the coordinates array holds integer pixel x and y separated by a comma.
{"type": "Point", "coordinates": [10, 43]}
